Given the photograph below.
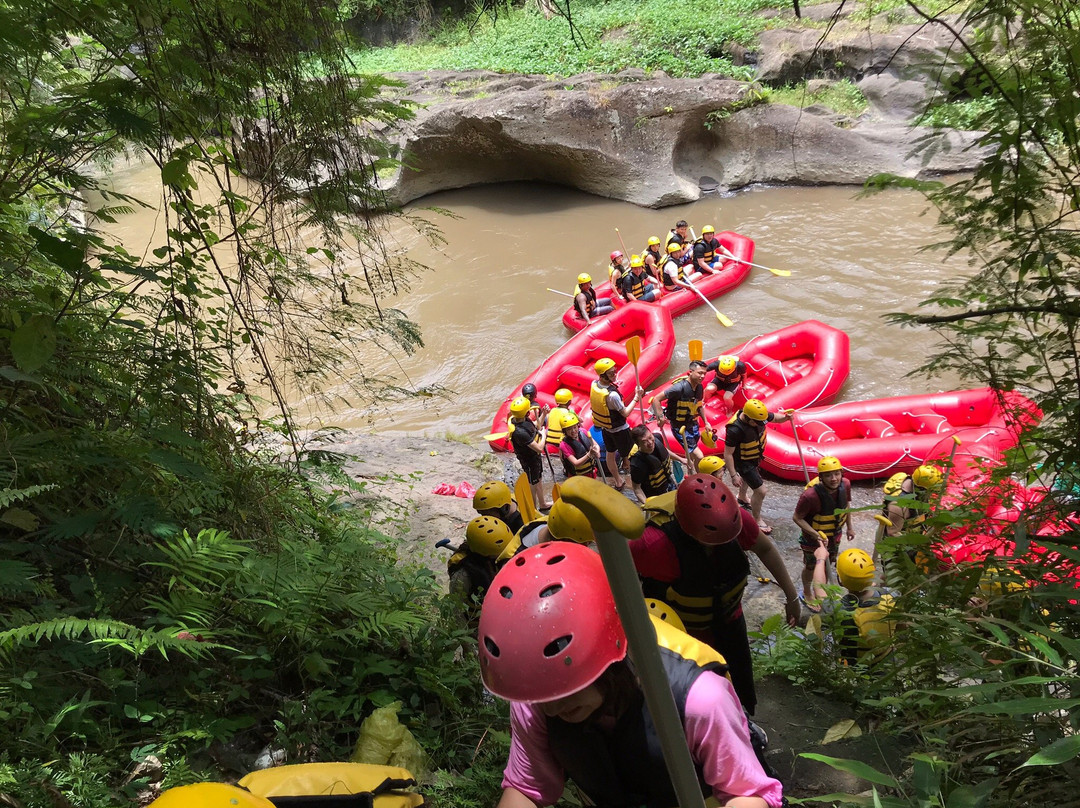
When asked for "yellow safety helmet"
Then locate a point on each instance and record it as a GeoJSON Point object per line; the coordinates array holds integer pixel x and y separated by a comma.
{"type": "Point", "coordinates": [829, 463]}
{"type": "Point", "coordinates": [927, 477]}
{"type": "Point", "coordinates": [568, 523]}
{"type": "Point", "coordinates": [855, 569]}
{"type": "Point", "coordinates": [661, 611]}
{"type": "Point", "coordinates": [674, 247]}
{"type": "Point", "coordinates": [710, 464]}
{"type": "Point", "coordinates": [490, 495]}
{"type": "Point", "coordinates": [487, 536]}
{"type": "Point", "coordinates": [636, 261]}
{"type": "Point", "coordinates": [210, 795]}
{"type": "Point", "coordinates": [520, 407]}
{"type": "Point", "coordinates": [756, 409]}
{"type": "Point", "coordinates": [604, 365]}
{"type": "Point", "coordinates": [708, 229]}
{"type": "Point", "coordinates": [563, 396]}
{"type": "Point", "coordinates": [584, 277]}
{"type": "Point", "coordinates": [727, 364]}
{"type": "Point", "coordinates": [895, 484]}
{"type": "Point", "coordinates": [568, 420]}
{"type": "Point", "coordinates": [654, 241]}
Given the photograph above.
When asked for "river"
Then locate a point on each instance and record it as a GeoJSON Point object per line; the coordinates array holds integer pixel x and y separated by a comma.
{"type": "Point", "coordinates": [488, 320]}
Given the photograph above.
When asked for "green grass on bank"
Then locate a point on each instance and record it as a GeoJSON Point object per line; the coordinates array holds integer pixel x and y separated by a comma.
{"type": "Point", "coordinates": [680, 38]}
{"type": "Point", "coordinates": [842, 97]}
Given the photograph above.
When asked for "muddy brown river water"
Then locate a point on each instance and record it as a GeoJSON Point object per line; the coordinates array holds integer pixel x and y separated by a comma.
{"type": "Point", "coordinates": [488, 320]}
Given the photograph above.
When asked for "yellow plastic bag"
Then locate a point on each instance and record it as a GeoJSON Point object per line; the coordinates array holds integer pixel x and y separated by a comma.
{"type": "Point", "coordinates": [386, 741]}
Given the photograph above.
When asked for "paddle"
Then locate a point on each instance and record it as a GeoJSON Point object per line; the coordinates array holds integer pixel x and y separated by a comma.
{"type": "Point", "coordinates": [723, 318]}
{"type": "Point", "coordinates": [633, 353]}
{"type": "Point", "coordinates": [697, 348]}
{"type": "Point", "coordinates": [556, 291]}
{"type": "Point", "coordinates": [780, 273]}
{"type": "Point", "coordinates": [496, 436]}
{"type": "Point", "coordinates": [523, 495]}
{"type": "Point", "coordinates": [948, 469]}
{"type": "Point", "coordinates": [685, 448]}
{"type": "Point", "coordinates": [622, 244]}
{"type": "Point", "coordinates": [614, 520]}
{"type": "Point", "coordinates": [798, 445]}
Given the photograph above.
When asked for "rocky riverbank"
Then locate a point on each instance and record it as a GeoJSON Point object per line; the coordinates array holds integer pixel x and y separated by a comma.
{"type": "Point", "coordinates": [400, 472]}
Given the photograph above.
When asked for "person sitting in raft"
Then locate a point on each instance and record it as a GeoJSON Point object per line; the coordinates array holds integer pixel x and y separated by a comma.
{"type": "Point", "coordinates": [707, 249]}
{"type": "Point", "coordinates": [637, 284]}
{"type": "Point", "coordinates": [551, 643]}
{"type": "Point", "coordinates": [697, 564]}
{"type": "Point", "coordinates": [528, 442]}
{"type": "Point", "coordinates": [586, 302]}
{"type": "Point", "coordinates": [821, 514]}
{"type": "Point", "coordinates": [729, 373]}
{"type": "Point", "coordinates": [616, 268]}
{"type": "Point", "coordinates": [682, 408]}
{"type": "Point", "coordinates": [675, 274]}
{"type": "Point", "coordinates": [680, 234]}
{"type": "Point", "coordinates": [563, 397]}
{"type": "Point", "coordinates": [861, 626]}
{"type": "Point", "coordinates": [578, 451]}
{"type": "Point", "coordinates": [650, 465]}
{"type": "Point", "coordinates": [494, 499]}
{"type": "Point", "coordinates": [653, 258]}
{"type": "Point", "coordinates": [744, 447]}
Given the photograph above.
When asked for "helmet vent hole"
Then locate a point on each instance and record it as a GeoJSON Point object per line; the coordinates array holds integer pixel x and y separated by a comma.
{"type": "Point", "coordinates": [506, 592]}
{"type": "Point", "coordinates": [498, 542]}
{"type": "Point", "coordinates": [555, 647]}
{"type": "Point", "coordinates": [519, 561]}
{"type": "Point", "coordinates": [491, 647]}
{"type": "Point", "coordinates": [555, 559]}
{"type": "Point", "coordinates": [548, 591]}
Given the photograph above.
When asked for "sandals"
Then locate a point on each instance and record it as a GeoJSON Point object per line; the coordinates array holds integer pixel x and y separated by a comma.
{"type": "Point", "coordinates": [764, 528]}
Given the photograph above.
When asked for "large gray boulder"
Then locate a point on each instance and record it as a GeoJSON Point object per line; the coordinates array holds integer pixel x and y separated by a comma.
{"type": "Point", "coordinates": [654, 141]}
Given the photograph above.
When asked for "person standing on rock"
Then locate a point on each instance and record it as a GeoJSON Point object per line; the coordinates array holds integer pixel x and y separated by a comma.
{"type": "Point", "coordinates": [650, 466]}
{"type": "Point", "coordinates": [578, 451]}
{"type": "Point", "coordinates": [528, 442]}
{"type": "Point", "coordinates": [680, 405]}
{"type": "Point", "coordinates": [707, 256]}
{"type": "Point", "coordinates": [697, 564]}
{"type": "Point", "coordinates": [637, 284]}
{"type": "Point", "coordinates": [653, 258]}
{"type": "Point", "coordinates": [609, 411]}
{"type": "Point", "coordinates": [563, 397]}
{"type": "Point", "coordinates": [821, 514]}
{"type": "Point", "coordinates": [586, 302]}
{"type": "Point", "coordinates": [744, 448]}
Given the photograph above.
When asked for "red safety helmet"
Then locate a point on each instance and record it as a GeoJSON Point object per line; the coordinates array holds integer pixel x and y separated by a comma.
{"type": "Point", "coordinates": [707, 510]}
{"type": "Point", "coordinates": [548, 625]}
{"type": "Point", "coordinates": [616, 255]}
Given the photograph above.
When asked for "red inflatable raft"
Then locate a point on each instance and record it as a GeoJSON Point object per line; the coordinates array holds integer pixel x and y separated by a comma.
{"type": "Point", "coordinates": [571, 366]}
{"type": "Point", "coordinates": [879, 437]}
{"type": "Point", "coordinates": [729, 275]}
{"type": "Point", "coordinates": [798, 366]}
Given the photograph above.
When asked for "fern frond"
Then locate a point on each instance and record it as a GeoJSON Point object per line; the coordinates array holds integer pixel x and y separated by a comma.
{"type": "Point", "coordinates": [9, 496]}
{"type": "Point", "coordinates": [204, 559]}
{"type": "Point", "coordinates": [108, 633]}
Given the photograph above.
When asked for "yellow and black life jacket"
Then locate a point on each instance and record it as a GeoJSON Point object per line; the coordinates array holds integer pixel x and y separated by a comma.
{"type": "Point", "coordinates": [580, 448]}
{"type": "Point", "coordinates": [590, 300]}
{"type": "Point", "coordinates": [372, 785]}
{"type": "Point", "coordinates": [602, 416]}
{"type": "Point", "coordinates": [830, 517]}
{"type": "Point", "coordinates": [749, 439]}
{"type": "Point", "coordinates": [710, 584]}
{"type": "Point", "coordinates": [657, 468]}
{"type": "Point", "coordinates": [710, 246]}
{"type": "Point", "coordinates": [683, 404]}
{"type": "Point", "coordinates": [634, 285]}
{"type": "Point", "coordinates": [894, 491]}
{"type": "Point", "coordinates": [668, 283]}
{"type": "Point", "coordinates": [865, 627]}
{"type": "Point", "coordinates": [554, 426]}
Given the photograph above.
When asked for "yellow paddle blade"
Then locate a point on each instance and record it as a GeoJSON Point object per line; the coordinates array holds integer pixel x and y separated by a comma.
{"type": "Point", "coordinates": [780, 273]}
{"type": "Point", "coordinates": [496, 436]}
{"type": "Point", "coordinates": [523, 495]}
{"type": "Point", "coordinates": [696, 350]}
{"type": "Point", "coordinates": [555, 492]}
{"type": "Point", "coordinates": [724, 319]}
{"type": "Point", "coordinates": [886, 521]}
{"type": "Point", "coordinates": [633, 349]}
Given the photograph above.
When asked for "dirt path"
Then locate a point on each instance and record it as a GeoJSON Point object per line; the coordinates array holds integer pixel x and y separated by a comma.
{"type": "Point", "coordinates": [400, 473]}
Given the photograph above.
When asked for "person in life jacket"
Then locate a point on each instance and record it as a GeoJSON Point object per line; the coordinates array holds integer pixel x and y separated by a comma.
{"type": "Point", "coordinates": [493, 498]}
{"type": "Point", "coordinates": [653, 257]}
{"type": "Point", "coordinates": [821, 514]}
{"type": "Point", "coordinates": [551, 643]}
{"type": "Point", "coordinates": [609, 411]}
{"type": "Point", "coordinates": [578, 451]}
{"type": "Point", "coordinates": [528, 441]}
{"type": "Point", "coordinates": [679, 234]}
{"type": "Point", "coordinates": [860, 624]}
{"type": "Point", "coordinates": [616, 269]}
{"type": "Point", "coordinates": [917, 486]}
{"type": "Point", "coordinates": [566, 522]}
{"type": "Point", "coordinates": [587, 304]}
{"type": "Point", "coordinates": [729, 373]}
{"type": "Point", "coordinates": [681, 406]}
{"type": "Point", "coordinates": [637, 284]}
{"type": "Point", "coordinates": [651, 473]}
{"type": "Point", "coordinates": [713, 465]}
{"type": "Point", "coordinates": [473, 565]}
{"type": "Point", "coordinates": [675, 276]}
{"type": "Point", "coordinates": [697, 564]}
{"type": "Point", "coordinates": [707, 251]}
{"type": "Point", "coordinates": [744, 446]}
{"type": "Point", "coordinates": [563, 397]}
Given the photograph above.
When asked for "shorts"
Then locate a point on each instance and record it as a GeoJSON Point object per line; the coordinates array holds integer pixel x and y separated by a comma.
{"type": "Point", "coordinates": [692, 436]}
{"type": "Point", "coordinates": [621, 442]}
{"type": "Point", "coordinates": [751, 474]}
{"type": "Point", "coordinates": [808, 546]}
{"type": "Point", "coordinates": [532, 466]}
